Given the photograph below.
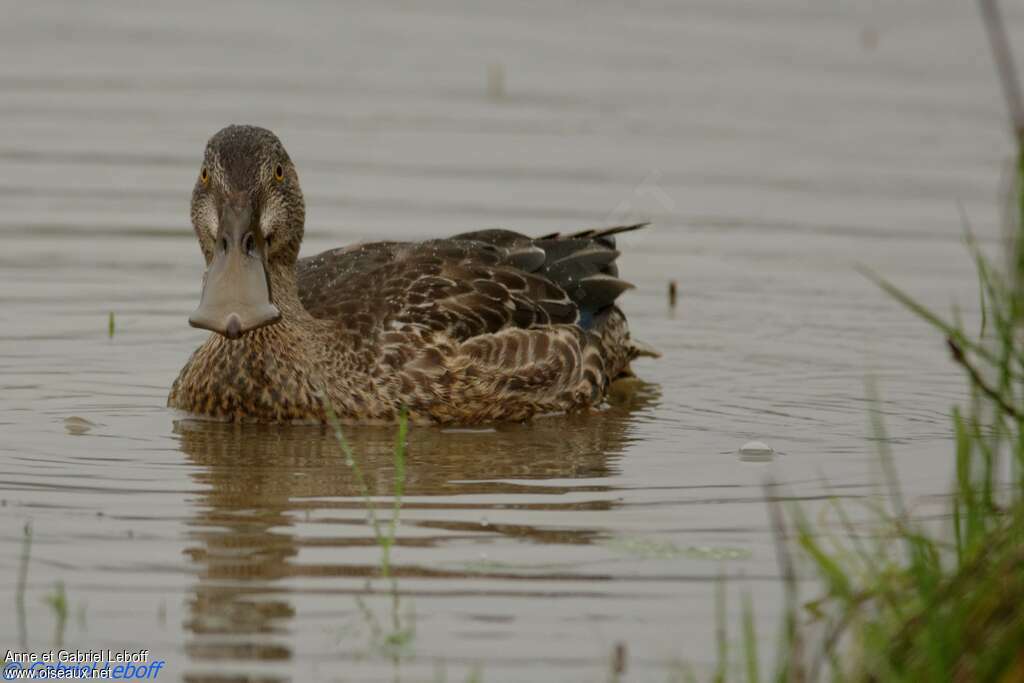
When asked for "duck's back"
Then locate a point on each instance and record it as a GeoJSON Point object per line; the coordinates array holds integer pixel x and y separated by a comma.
{"type": "Point", "coordinates": [525, 314]}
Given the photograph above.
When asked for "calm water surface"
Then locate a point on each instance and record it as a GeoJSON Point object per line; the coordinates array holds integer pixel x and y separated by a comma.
{"type": "Point", "coordinates": [774, 144]}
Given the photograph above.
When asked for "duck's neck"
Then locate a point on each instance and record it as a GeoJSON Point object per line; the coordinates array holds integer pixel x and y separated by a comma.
{"type": "Point", "coordinates": [274, 373]}
{"type": "Point", "coordinates": [284, 290]}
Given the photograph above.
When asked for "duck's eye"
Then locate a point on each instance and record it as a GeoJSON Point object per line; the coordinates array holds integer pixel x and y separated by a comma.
{"type": "Point", "coordinates": [279, 173]}
{"type": "Point", "coordinates": [204, 175]}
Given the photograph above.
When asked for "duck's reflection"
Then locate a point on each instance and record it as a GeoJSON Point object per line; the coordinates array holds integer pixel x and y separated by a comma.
{"type": "Point", "coordinates": [259, 481]}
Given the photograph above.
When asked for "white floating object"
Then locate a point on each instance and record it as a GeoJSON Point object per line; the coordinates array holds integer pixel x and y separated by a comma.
{"type": "Point", "coordinates": [756, 451]}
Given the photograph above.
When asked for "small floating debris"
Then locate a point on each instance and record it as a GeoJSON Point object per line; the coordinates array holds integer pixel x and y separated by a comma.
{"type": "Point", "coordinates": [756, 451]}
{"type": "Point", "coordinates": [77, 425]}
{"type": "Point", "coordinates": [619, 658]}
{"type": "Point", "coordinates": [869, 37]}
{"type": "Point", "coordinates": [495, 81]}
{"type": "Point", "coordinates": [110, 325]}
{"type": "Point", "coordinates": [673, 293]}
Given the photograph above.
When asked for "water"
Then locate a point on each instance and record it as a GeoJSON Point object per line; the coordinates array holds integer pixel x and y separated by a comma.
{"type": "Point", "coordinates": [775, 147]}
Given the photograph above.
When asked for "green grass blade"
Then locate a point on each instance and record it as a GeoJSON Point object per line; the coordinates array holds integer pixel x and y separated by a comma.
{"type": "Point", "coordinates": [750, 640]}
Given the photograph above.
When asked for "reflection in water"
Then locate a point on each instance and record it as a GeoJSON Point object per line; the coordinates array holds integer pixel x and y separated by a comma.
{"type": "Point", "coordinates": [261, 480]}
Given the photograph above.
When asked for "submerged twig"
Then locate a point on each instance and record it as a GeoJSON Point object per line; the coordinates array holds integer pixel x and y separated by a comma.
{"type": "Point", "coordinates": [617, 663]}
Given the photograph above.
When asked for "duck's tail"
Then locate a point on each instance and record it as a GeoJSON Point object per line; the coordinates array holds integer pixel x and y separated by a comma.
{"type": "Point", "coordinates": [592, 255]}
{"type": "Point", "coordinates": [584, 265]}
{"type": "Point", "coordinates": [605, 235]}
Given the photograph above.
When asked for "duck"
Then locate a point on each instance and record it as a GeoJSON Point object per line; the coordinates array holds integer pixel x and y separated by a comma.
{"type": "Point", "coordinates": [482, 326]}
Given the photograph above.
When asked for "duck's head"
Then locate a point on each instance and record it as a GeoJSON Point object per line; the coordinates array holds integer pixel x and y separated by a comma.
{"type": "Point", "coordinates": [248, 213]}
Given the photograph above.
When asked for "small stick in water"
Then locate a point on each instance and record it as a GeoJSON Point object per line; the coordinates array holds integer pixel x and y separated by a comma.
{"type": "Point", "coordinates": [496, 81]}
{"type": "Point", "coordinates": [618, 661]}
{"type": "Point", "coordinates": [672, 293]}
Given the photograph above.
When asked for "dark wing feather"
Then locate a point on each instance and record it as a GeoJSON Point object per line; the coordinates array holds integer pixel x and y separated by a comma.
{"type": "Point", "coordinates": [580, 263]}
{"type": "Point", "coordinates": [468, 285]}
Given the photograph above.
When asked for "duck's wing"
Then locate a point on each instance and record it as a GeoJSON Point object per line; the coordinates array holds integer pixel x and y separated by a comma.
{"type": "Point", "coordinates": [466, 285]}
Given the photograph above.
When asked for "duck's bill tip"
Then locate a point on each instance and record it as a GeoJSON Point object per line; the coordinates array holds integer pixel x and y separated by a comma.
{"type": "Point", "coordinates": [234, 325]}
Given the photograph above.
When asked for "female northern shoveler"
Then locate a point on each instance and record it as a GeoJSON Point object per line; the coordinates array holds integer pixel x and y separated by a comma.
{"type": "Point", "coordinates": [482, 326]}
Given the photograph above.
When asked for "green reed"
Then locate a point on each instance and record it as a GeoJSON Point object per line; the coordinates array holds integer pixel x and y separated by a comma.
{"type": "Point", "coordinates": [57, 599]}
{"type": "Point", "coordinates": [907, 601]}
{"type": "Point", "coordinates": [902, 600]}
{"type": "Point", "coordinates": [21, 586]}
{"type": "Point", "coordinates": [400, 633]}
{"type": "Point", "coordinates": [918, 602]}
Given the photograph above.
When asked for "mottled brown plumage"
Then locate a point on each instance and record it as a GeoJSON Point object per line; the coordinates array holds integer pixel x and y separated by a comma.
{"type": "Point", "coordinates": [482, 326]}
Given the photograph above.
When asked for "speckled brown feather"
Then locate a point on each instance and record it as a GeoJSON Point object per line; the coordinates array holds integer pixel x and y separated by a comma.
{"type": "Point", "coordinates": [484, 326]}
{"type": "Point", "coordinates": [452, 336]}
